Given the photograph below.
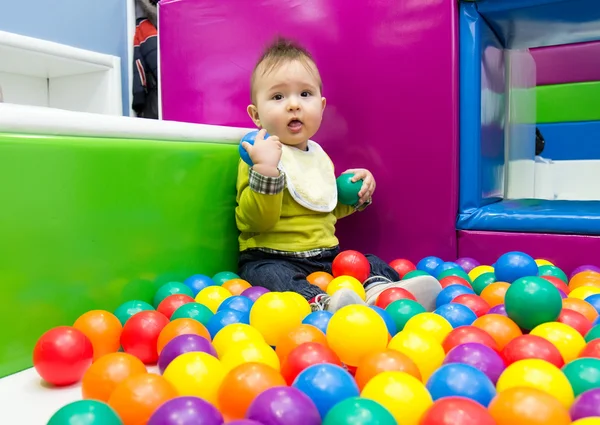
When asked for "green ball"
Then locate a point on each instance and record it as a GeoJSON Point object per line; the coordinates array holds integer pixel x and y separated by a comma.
{"type": "Point", "coordinates": [583, 374]}
{"type": "Point", "coordinates": [129, 308]}
{"type": "Point", "coordinates": [553, 271]}
{"type": "Point", "coordinates": [222, 277]}
{"type": "Point", "coordinates": [358, 411]}
{"type": "Point", "coordinates": [593, 334]}
{"type": "Point", "coordinates": [195, 311]}
{"type": "Point", "coordinates": [415, 273]}
{"type": "Point", "coordinates": [531, 301]}
{"type": "Point", "coordinates": [482, 281]}
{"type": "Point", "coordinates": [347, 189]}
{"type": "Point", "coordinates": [455, 272]}
{"type": "Point", "coordinates": [402, 310]}
{"type": "Point", "coordinates": [171, 288]}
{"type": "Point", "coordinates": [85, 412]}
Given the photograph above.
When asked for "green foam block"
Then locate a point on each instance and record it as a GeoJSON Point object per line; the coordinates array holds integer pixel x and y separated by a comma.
{"type": "Point", "coordinates": [568, 102]}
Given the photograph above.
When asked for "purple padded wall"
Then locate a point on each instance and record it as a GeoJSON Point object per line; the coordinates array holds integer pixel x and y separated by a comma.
{"type": "Point", "coordinates": [390, 77]}
{"type": "Point", "coordinates": [570, 63]}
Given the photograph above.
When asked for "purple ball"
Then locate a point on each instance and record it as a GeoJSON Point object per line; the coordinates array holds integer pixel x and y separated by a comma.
{"type": "Point", "coordinates": [244, 422]}
{"type": "Point", "coordinates": [586, 405]}
{"type": "Point", "coordinates": [467, 263]}
{"type": "Point", "coordinates": [254, 292]}
{"type": "Point", "coordinates": [562, 294]}
{"type": "Point", "coordinates": [186, 411]}
{"type": "Point", "coordinates": [183, 344]}
{"type": "Point", "coordinates": [284, 406]}
{"type": "Point", "coordinates": [498, 309]}
{"type": "Point", "coordinates": [587, 267]}
{"type": "Point", "coordinates": [479, 356]}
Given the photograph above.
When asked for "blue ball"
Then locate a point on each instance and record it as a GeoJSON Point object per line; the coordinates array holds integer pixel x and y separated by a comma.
{"type": "Point", "coordinates": [596, 321]}
{"type": "Point", "coordinates": [514, 265]}
{"type": "Point", "coordinates": [450, 292]}
{"type": "Point", "coordinates": [319, 319]}
{"type": "Point", "coordinates": [429, 264]}
{"type": "Point", "coordinates": [389, 322]}
{"type": "Point", "coordinates": [198, 282]}
{"type": "Point", "coordinates": [326, 385]}
{"type": "Point", "coordinates": [594, 300]}
{"type": "Point", "coordinates": [249, 137]}
{"type": "Point", "coordinates": [223, 318]}
{"type": "Point", "coordinates": [237, 302]}
{"type": "Point", "coordinates": [457, 314]}
{"type": "Point", "coordinates": [461, 380]}
{"type": "Point", "coordinates": [446, 265]}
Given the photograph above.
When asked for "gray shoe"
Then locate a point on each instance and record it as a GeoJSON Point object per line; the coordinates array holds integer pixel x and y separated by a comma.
{"type": "Point", "coordinates": [340, 299]}
{"type": "Point", "coordinates": [424, 288]}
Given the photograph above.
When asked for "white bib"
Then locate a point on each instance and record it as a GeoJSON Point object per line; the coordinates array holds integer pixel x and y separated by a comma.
{"type": "Point", "coordinates": [310, 177]}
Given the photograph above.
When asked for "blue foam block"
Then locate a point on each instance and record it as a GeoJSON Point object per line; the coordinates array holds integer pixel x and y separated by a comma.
{"type": "Point", "coordinates": [571, 141]}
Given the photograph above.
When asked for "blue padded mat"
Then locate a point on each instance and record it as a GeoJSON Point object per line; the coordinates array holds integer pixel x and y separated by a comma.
{"type": "Point", "coordinates": [572, 140]}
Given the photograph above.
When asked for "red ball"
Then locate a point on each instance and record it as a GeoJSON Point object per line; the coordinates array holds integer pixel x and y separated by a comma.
{"type": "Point", "coordinates": [140, 335]}
{"type": "Point", "coordinates": [172, 303]}
{"type": "Point", "coordinates": [474, 302]}
{"type": "Point", "coordinates": [351, 263]}
{"type": "Point", "coordinates": [558, 283]}
{"type": "Point", "coordinates": [532, 347]}
{"type": "Point", "coordinates": [592, 349]}
{"type": "Point", "coordinates": [575, 320]}
{"type": "Point", "coordinates": [465, 334]}
{"type": "Point", "coordinates": [402, 266]}
{"type": "Point", "coordinates": [454, 280]}
{"type": "Point", "coordinates": [62, 355]}
{"type": "Point", "coordinates": [456, 411]}
{"type": "Point", "coordinates": [305, 355]}
{"type": "Point", "coordinates": [390, 295]}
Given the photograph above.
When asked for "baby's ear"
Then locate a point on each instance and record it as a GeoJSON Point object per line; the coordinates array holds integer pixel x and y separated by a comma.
{"type": "Point", "coordinates": [323, 103]}
{"type": "Point", "coordinates": [253, 113]}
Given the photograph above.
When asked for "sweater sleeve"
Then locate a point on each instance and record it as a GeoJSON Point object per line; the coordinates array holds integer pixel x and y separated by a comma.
{"type": "Point", "coordinates": [259, 200]}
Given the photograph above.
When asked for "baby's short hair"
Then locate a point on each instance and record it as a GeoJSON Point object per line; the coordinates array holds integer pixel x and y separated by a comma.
{"type": "Point", "coordinates": [283, 50]}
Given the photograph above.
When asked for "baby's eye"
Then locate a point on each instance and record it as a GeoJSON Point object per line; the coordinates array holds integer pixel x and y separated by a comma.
{"type": "Point", "coordinates": [305, 94]}
{"type": "Point", "coordinates": [278, 97]}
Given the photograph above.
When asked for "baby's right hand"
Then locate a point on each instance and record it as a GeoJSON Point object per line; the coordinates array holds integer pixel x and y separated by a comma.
{"type": "Point", "coordinates": [265, 153]}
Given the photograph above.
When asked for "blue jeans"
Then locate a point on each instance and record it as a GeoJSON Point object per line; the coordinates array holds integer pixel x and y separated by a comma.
{"type": "Point", "coordinates": [280, 273]}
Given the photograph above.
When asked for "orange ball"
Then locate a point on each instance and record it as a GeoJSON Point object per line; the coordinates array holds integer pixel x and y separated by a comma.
{"type": "Point", "coordinates": [494, 293]}
{"type": "Point", "coordinates": [320, 279]}
{"type": "Point", "coordinates": [501, 328]}
{"type": "Point", "coordinates": [299, 335]}
{"type": "Point", "coordinates": [383, 361]}
{"type": "Point", "coordinates": [137, 397]}
{"type": "Point", "coordinates": [243, 384]}
{"type": "Point", "coordinates": [580, 306]}
{"type": "Point", "coordinates": [103, 329]}
{"type": "Point", "coordinates": [527, 406]}
{"type": "Point", "coordinates": [103, 376]}
{"type": "Point", "coordinates": [178, 327]}
{"type": "Point", "coordinates": [236, 286]}
{"type": "Point", "coordinates": [585, 278]}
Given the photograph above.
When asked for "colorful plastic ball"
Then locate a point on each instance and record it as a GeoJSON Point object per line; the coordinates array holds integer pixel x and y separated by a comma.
{"type": "Point", "coordinates": [549, 270]}
{"type": "Point", "coordinates": [244, 422]}
{"type": "Point", "coordinates": [212, 297]}
{"type": "Point", "coordinates": [346, 282]}
{"type": "Point", "coordinates": [583, 374]}
{"type": "Point", "coordinates": [527, 406]}
{"type": "Point", "coordinates": [182, 344]}
{"type": "Point", "coordinates": [233, 334]}
{"type": "Point", "coordinates": [575, 320]}
{"type": "Point", "coordinates": [85, 412]}
{"type": "Point", "coordinates": [243, 384]}
{"type": "Point", "coordinates": [318, 319]}
{"type": "Point", "coordinates": [384, 361]}
{"type": "Point", "coordinates": [320, 279]}
{"type": "Point", "coordinates": [465, 334]}
{"type": "Point", "coordinates": [169, 305]}
{"type": "Point", "coordinates": [221, 277]}
{"type": "Point", "coordinates": [461, 380]}
{"type": "Point", "coordinates": [103, 329]}
{"type": "Point", "coordinates": [186, 411]}
{"type": "Point", "coordinates": [195, 311]}
{"type": "Point", "coordinates": [106, 373]}
{"type": "Point", "coordinates": [585, 267]}
{"type": "Point", "coordinates": [480, 356]}
{"type": "Point", "coordinates": [456, 411]}
{"type": "Point", "coordinates": [531, 301]}
{"type": "Point", "coordinates": [430, 324]}
{"type": "Point", "coordinates": [585, 278]}
{"type": "Point", "coordinates": [297, 336]}
{"type": "Point", "coordinates": [449, 293]}
{"type": "Point", "coordinates": [414, 273]}
{"type": "Point", "coordinates": [401, 311]}
{"type": "Point", "coordinates": [467, 263]}
{"type": "Point", "coordinates": [140, 335]}
{"type": "Point", "coordinates": [593, 333]}
{"type": "Point", "coordinates": [594, 301]}
{"type": "Point", "coordinates": [531, 347]}
{"type": "Point", "coordinates": [62, 355]}
{"type": "Point", "coordinates": [539, 374]}
{"type": "Point", "coordinates": [483, 281]}
{"type": "Point", "coordinates": [389, 295]}
{"type": "Point", "coordinates": [515, 265]}
{"type": "Point", "coordinates": [568, 341]}
{"type": "Point", "coordinates": [171, 288]}
{"type": "Point", "coordinates": [387, 318]}
{"type": "Point", "coordinates": [305, 355]}
{"type": "Point", "coordinates": [236, 286]}
{"type": "Point", "coordinates": [137, 397]}
{"type": "Point", "coordinates": [499, 309]}
{"type": "Point", "coordinates": [126, 310]}
{"type": "Point", "coordinates": [326, 385]}
{"type": "Point", "coordinates": [402, 266]}
{"type": "Point", "coordinates": [223, 318]}
{"type": "Point", "coordinates": [543, 262]}
{"type": "Point", "coordinates": [255, 292]}
{"type": "Point", "coordinates": [446, 265]}
{"type": "Point", "coordinates": [558, 283]}
{"type": "Point", "coordinates": [475, 272]}
{"type": "Point", "coordinates": [351, 263]}
{"type": "Point", "coordinates": [454, 280]}
{"type": "Point", "coordinates": [197, 283]}
{"type": "Point", "coordinates": [357, 410]}
{"type": "Point", "coordinates": [180, 327]}
{"type": "Point", "coordinates": [584, 292]}
{"type": "Point", "coordinates": [403, 395]}
{"type": "Point", "coordinates": [587, 421]}
{"type": "Point", "coordinates": [274, 314]}
{"type": "Point", "coordinates": [425, 351]}
{"type": "Point", "coordinates": [454, 272]}
{"type": "Point", "coordinates": [284, 406]}
{"type": "Point", "coordinates": [456, 314]}
{"type": "Point", "coordinates": [494, 293]}
{"type": "Point", "coordinates": [250, 351]}
{"type": "Point", "coordinates": [582, 307]}
{"type": "Point", "coordinates": [474, 302]}
{"type": "Point", "coordinates": [347, 189]}
{"type": "Point", "coordinates": [429, 264]}
{"type": "Point", "coordinates": [354, 331]}
{"type": "Point", "coordinates": [501, 328]}
{"type": "Point", "coordinates": [586, 405]}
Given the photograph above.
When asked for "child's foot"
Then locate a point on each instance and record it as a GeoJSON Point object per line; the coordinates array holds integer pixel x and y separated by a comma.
{"type": "Point", "coordinates": [340, 299]}
{"type": "Point", "coordinates": [424, 288]}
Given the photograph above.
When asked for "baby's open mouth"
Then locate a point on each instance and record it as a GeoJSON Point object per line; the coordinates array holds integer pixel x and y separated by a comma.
{"type": "Point", "coordinates": [295, 125]}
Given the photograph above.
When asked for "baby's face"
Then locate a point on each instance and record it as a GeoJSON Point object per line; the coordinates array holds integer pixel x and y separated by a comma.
{"type": "Point", "coordinates": [288, 103]}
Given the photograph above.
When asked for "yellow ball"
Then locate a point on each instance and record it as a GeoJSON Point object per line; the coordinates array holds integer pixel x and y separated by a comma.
{"type": "Point", "coordinates": [539, 374]}
{"type": "Point", "coordinates": [430, 324]}
{"type": "Point", "coordinates": [568, 341]}
{"type": "Point", "coordinates": [402, 394]}
{"type": "Point", "coordinates": [479, 270]}
{"type": "Point", "coordinates": [301, 301]}
{"type": "Point", "coordinates": [583, 292]}
{"type": "Point", "coordinates": [355, 331]}
{"type": "Point", "coordinates": [593, 420]}
{"type": "Point", "coordinates": [425, 351]}
{"type": "Point", "coordinates": [250, 352]}
{"type": "Point", "coordinates": [212, 297]}
{"type": "Point", "coordinates": [233, 334]}
{"type": "Point", "coordinates": [196, 374]}
{"type": "Point", "coordinates": [274, 314]}
{"type": "Point", "coordinates": [349, 282]}
{"type": "Point", "coordinates": [542, 262]}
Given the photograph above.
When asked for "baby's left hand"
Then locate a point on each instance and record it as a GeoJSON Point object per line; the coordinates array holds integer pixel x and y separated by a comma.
{"type": "Point", "coordinates": [368, 186]}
